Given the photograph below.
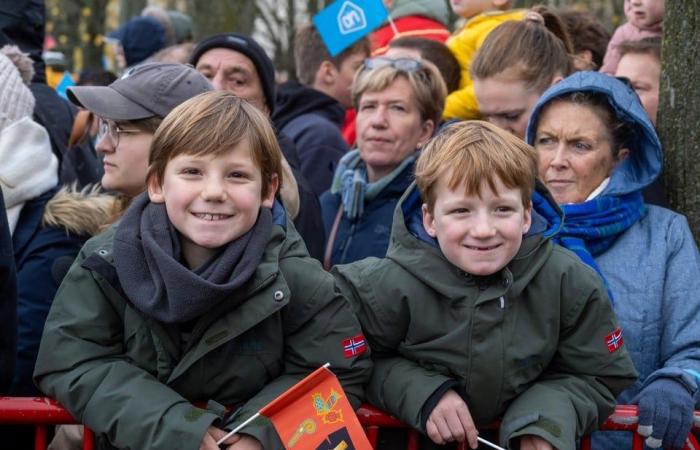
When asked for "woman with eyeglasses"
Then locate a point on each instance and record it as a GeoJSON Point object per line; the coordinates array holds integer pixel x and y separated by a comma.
{"type": "Point", "coordinates": [128, 112]}
{"type": "Point", "coordinates": [399, 103]}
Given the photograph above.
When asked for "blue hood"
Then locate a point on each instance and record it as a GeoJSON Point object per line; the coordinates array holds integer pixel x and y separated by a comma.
{"type": "Point", "coordinates": [546, 215]}
{"type": "Point", "coordinates": [644, 162]}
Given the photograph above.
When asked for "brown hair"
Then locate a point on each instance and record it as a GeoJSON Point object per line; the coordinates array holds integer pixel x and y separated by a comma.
{"type": "Point", "coordinates": [647, 46]}
{"type": "Point", "coordinates": [426, 83]}
{"type": "Point", "coordinates": [537, 48]}
{"type": "Point", "coordinates": [587, 33]}
{"type": "Point", "coordinates": [618, 131]}
{"type": "Point", "coordinates": [438, 54]}
{"type": "Point", "coordinates": [213, 123]}
{"type": "Point", "coordinates": [472, 151]}
{"type": "Point", "coordinates": [310, 52]}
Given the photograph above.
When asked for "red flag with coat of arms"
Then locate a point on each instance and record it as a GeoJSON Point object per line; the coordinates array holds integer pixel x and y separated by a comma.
{"type": "Point", "coordinates": [316, 414]}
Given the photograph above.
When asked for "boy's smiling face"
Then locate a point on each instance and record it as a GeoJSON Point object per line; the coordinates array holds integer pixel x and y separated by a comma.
{"type": "Point", "coordinates": [212, 199]}
{"type": "Point", "coordinates": [478, 235]}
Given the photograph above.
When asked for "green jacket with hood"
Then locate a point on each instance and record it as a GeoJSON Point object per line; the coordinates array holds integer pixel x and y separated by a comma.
{"type": "Point", "coordinates": [526, 345]}
{"type": "Point", "coordinates": [133, 380]}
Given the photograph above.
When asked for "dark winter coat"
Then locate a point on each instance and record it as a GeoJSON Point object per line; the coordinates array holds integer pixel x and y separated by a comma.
{"type": "Point", "coordinates": [526, 345]}
{"type": "Point", "coordinates": [8, 303]}
{"type": "Point", "coordinates": [43, 253]}
{"type": "Point", "coordinates": [369, 235]}
{"type": "Point", "coordinates": [308, 221]}
{"type": "Point", "coordinates": [129, 378]}
{"type": "Point", "coordinates": [312, 120]}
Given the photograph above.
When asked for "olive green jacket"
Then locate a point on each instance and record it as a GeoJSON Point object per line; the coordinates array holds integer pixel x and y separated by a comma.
{"type": "Point", "coordinates": [133, 380]}
{"type": "Point", "coordinates": [526, 345]}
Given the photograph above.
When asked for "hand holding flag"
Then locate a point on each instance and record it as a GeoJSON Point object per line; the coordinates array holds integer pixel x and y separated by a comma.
{"type": "Point", "coordinates": [313, 414]}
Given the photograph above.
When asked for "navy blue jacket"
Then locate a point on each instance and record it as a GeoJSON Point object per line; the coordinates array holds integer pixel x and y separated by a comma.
{"type": "Point", "coordinates": [312, 120]}
{"type": "Point", "coordinates": [8, 303]}
{"type": "Point", "coordinates": [369, 235]}
{"type": "Point", "coordinates": [42, 257]}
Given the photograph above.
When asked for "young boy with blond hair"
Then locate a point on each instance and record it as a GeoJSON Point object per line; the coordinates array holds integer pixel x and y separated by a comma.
{"type": "Point", "coordinates": [474, 315]}
{"type": "Point", "coordinates": [482, 17]}
{"type": "Point", "coordinates": [203, 292]}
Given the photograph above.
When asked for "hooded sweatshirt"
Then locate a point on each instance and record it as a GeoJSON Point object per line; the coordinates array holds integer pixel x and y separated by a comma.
{"type": "Point", "coordinates": [525, 344]}
{"type": "Point", "coordinates": [312, 120]}
{"type": "Point", "coordinates": [657, 303]}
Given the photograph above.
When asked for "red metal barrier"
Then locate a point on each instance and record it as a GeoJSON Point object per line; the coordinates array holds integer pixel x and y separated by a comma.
{"type": "Point", "coordinates": [43, 412]}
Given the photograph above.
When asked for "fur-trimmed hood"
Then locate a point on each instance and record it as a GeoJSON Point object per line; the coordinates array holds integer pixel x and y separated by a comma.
{"type": "Point", "coordinates": [80, 212]}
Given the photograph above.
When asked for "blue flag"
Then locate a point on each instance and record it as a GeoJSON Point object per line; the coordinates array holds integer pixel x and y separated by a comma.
{"type": "Point", "coordinates": [65, 82]}
{"type": "Point", "coordinates": [344, 22]}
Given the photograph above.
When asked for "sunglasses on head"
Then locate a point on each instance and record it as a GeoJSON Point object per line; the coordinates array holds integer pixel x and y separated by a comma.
{"type": "Point", "coordinates": [403, 64]}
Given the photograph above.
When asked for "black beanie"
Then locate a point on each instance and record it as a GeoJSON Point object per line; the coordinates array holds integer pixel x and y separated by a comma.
{"type": "Point", "coordinates": [247, 46]}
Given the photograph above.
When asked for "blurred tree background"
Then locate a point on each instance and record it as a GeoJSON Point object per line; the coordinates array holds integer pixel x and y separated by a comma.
{"type": "Point", "coordinates": [79, 26]}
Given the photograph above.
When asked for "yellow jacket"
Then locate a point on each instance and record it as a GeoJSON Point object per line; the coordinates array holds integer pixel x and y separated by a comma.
{"type": "Point", "coordinates": [461, 104]}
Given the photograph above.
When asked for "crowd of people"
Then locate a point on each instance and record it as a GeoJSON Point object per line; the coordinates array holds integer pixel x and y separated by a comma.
{"type": "Point", "coordinates": [482, 207]}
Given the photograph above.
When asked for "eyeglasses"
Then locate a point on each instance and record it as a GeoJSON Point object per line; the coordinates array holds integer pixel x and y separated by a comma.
{"type": "Point", "coordinates": [111, 129]}
{"type": "Point", "coordinates": [403, 64]}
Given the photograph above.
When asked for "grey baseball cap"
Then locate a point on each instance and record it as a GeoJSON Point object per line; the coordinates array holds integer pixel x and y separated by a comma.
{"type": "Point", "coordinates": [146, 90]}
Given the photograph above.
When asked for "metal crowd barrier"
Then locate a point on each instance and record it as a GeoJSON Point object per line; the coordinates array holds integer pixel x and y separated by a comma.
{"type": "Point", "coordinates": [44, 412]}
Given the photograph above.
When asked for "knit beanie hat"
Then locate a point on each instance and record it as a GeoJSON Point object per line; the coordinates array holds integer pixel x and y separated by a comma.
{"type": "Point", "coordinates": [247, 46]}
{"type": "Point", "coordinates": [16, 72]}
{"type": "Point", "coordinates": [140, 38]}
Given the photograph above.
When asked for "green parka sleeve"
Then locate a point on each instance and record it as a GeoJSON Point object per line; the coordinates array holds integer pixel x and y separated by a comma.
{"type": "Point", "coordinates": [577, 391]}
{"type": "Point", "coordinates": [398, 384]}
{"type": "Point", "coordinates": [83, 364]}
{"type": "Point", "coordinates": [315, 325]}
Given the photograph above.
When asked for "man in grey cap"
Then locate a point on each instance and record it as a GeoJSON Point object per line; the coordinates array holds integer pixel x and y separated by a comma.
{"type": "Point", "coordinates": [128, 112]}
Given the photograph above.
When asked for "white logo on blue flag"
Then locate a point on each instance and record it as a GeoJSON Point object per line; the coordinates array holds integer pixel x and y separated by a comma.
{"type": "Point", "coordinates": [351, 18]}
{"type": "Point", "coordinates": [344, 22]}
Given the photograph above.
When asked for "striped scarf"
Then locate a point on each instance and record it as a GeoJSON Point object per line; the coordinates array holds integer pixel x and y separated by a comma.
{"type": "Point", "coordinates": [591, 227]}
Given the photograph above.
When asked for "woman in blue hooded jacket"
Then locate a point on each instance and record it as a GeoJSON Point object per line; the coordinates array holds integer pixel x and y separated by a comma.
{"type": "Point", "coordinates": [598, 150]}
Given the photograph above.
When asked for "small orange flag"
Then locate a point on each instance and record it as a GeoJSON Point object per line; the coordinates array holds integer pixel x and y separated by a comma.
{"type": "Point", "coordinates": [315, 414]}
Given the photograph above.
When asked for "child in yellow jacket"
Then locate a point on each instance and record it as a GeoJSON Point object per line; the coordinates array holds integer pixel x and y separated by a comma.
{"type": "Point", "coordinates": [483, 16]}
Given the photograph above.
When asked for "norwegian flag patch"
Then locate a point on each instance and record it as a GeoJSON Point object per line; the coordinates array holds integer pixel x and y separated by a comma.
{"type": "Point", "coordinates": [614, 340]}
{"type": "Point", "coordinates": [354, 346]}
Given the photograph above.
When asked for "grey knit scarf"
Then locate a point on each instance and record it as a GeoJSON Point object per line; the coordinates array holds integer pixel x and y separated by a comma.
{"type": "Point", "coordinates": [147, 259]}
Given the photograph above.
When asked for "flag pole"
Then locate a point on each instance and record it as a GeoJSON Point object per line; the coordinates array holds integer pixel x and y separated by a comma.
{"type": "Point", "coordinates": [490, 444]}
{"type": "Point", "coordinates": [250, 419]}
{"type": "Point", "coordinates": [238, 428]}
{"type": "Point", "coordinates": [393, 26]}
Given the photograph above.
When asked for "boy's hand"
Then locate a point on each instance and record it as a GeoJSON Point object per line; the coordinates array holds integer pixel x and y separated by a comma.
{"type": "Point", "coordinates": [451, 421]}
{"type": "Point", "coordinates": [212, 436]}
{"type": "Point", "coordinates": [246, 442]}
{"type": "Point", "coordinates": [531, 442]}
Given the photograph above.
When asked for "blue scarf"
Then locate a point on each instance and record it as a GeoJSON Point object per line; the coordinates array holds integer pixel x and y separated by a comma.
{"type": "Point", "coordinates": [350, 180]}
{"type": "Point", "coordinates": [591, 227]}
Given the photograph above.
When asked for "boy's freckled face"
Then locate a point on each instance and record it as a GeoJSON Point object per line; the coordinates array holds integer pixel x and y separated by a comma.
{"type": "Point", "coordinates": [212, 199]}
{"type": "Point", "coordinates": [478, 235]}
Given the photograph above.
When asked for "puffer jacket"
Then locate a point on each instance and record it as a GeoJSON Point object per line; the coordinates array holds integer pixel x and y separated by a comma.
{"type": "Point", "coordinates": [50, 231]}
{"type": "Point", "coordinates": [130, 379]}
{"type": "Point", "coordinates": [527, 344]}
{"type": "Point", "coordinates": [462, 104]}
{"type": "Point", "coordinates": [657, 303]}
